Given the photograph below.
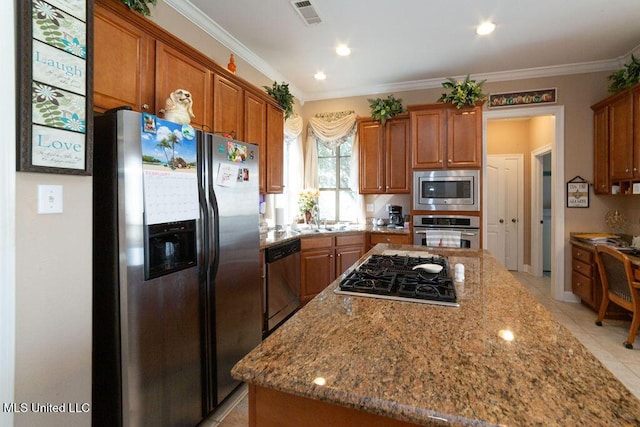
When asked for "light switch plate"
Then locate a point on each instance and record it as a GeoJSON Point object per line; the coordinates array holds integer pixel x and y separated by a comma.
{"type": "Point", "coordinates": [49, 199]}
{"type": "Point", "coordinates": [369, 207]}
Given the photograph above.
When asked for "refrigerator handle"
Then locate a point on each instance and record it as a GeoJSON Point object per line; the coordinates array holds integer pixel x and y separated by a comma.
{"type": "Point", "coordinates": [204, 211]}
{"type": "Point", "coordinates": [214, 224]}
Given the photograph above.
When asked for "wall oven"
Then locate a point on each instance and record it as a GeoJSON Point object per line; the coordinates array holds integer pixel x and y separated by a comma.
{"type": "Point", "coordinates": [446, 190]}
{"type": "Point", "coordinates": [467, 226]}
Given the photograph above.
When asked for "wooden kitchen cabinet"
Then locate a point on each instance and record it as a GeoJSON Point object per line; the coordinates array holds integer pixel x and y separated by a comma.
{"type": "Point", "coordinates": [349, 249]}
{"type": "Point", "coordinates": [464, 137]}
{"type": "Point", "coordinates": [317, 267]}
{"type": "Point", "coordinates": [617, 141]}
{"type": "Point", "coordinates": [274, 158]}
{"type": "Point", "coordinates": [175, 70]}
{"type": "Point", "coordinates": [384, 152]}
{"type": "Point", "coordinates": [443, 136]}
{"type": "Point", "coordinates": [601, 151]}
{"type": "Point", "coordinates": [325, 258]}
{"type": "Point", "coordinates": [228, 107]}
{"type": "Point", "coordinates": [255, 130]}
{"type": "Point", "coordinates": [124, 63]}
{"type": "Point", "coordinates": [585, 282]}
{"type": "Point", "coordinates": [395, 239]}
{"type": "Point", "coordinates": [138, 64]}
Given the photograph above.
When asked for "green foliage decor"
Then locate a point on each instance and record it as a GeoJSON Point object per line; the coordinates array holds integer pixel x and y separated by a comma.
{"type": "Point", "coordinates": [463, 92]}
{"type": "Point", "coordinates": [280, 92]}
{"type": "Point", "coordinates": [626, 77]}
{"type": "Point", "coordinates": [382, 109]}
{"type": "Point", "coordinates": [139, 6]}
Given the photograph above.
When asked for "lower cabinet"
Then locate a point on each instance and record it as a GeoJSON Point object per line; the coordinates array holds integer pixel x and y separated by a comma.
{"type": "Point", "coordinates": [585, 282]}
{"type": "Point", "coordinates": [324, 258]}
{"type": "Point", "coordinates": [395, 239]}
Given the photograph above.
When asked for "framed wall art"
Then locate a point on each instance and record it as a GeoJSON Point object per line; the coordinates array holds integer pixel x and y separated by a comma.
{"type": "Point", "coordinates": [55, 128]}
{"type": "Point", "coordinates": [530, 97]}
{"type": "Point", "coordinates": [577, 193]}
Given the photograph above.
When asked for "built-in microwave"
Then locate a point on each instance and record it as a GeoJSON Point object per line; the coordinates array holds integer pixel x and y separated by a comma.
{"type": "Point", "coordinates": [446, 190]}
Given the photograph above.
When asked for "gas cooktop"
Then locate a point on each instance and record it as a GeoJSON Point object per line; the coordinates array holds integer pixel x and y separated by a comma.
{"type": "Point", "coordinates": [401, 278]}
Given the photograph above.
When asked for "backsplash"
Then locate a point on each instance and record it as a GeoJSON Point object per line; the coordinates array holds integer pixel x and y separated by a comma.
{"type": "Point", "coordinates": [379, 203]}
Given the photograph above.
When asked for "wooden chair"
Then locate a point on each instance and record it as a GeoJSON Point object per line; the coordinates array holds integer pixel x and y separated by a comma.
{"type": "Point", "coordinates": [618, 286]}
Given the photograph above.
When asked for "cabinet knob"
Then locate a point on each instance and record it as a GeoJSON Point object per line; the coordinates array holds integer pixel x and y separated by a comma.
{"type": "Point", "coordinates": [161, 111]}
{"type": "Point", "coordinates": [449, 160]}
{"type": "Point", "coordinates": [513, 220]}
{"type": "Point", "coordinates": [626, 170]}
{"type": "Point", "coordinates": [145, 106]}
{"type": "Point", "coordinates": [440, 161]}
{"type": "Point", "coordinates": [578, 284]}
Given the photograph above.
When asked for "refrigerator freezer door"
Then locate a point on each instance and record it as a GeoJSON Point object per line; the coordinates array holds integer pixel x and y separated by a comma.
{"type": "Point", "coordinates": [146, 337]}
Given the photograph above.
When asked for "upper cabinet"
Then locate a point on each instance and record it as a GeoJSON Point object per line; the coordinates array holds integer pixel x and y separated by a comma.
{"type": "Point", "coordinates": [616, 132]}
{"type": "Point", "coordinates": [443, 136]}
{"type": "Point", "coordinates": [255, 130]}
{"type": "Point", "coordinates": [175, 70]}
{"type": "Point", "coordinates": [228, 107]}
{"type": "Point", "coordinates": [119, 46]}
{"type": "Point", "coordinates": [275, 150]}
{"type": "Point", "coordinates": [384, 156]}
{"type": "Point", "coordinates": [137, 64]}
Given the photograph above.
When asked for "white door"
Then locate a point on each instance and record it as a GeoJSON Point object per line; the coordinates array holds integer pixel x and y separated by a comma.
{"type": "Point", "coordinates": [504, 206]}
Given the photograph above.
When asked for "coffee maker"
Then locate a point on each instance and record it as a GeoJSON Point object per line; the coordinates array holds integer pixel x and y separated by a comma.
{"type": "Point", "coordinates": [395, 216]}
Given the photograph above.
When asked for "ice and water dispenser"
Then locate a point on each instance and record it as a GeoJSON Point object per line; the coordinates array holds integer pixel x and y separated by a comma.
{"type": "Point", "coordinates": [169, 247]}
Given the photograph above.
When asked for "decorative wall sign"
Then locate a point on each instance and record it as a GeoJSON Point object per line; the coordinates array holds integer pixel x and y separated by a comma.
{"type": "Point", "coordinates": [55, 86]}
{"type": "Point", "coordinates": [512, 99]}
{"type": "Point", "coordinates": [577, 193]}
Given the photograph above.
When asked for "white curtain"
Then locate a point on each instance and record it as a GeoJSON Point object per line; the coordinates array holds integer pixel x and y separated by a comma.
{"type": "Point", "coordinates": [331, 130]}
{"type": "Point", "coordinates": [294, 179]}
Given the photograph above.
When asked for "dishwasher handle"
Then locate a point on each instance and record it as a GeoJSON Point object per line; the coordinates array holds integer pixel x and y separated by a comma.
{"type": "Point", "coordinates": [282, 250]}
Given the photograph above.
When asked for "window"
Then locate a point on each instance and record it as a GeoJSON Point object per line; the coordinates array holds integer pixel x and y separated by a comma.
{"type": "Point", "coordinates": [337, 202]}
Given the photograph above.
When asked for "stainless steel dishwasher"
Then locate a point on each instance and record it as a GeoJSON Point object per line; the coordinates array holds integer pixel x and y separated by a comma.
{"type": "Point", "coordinates": [282, 287]}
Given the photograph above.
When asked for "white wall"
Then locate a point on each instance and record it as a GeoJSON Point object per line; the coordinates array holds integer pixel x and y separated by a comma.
{"type": "Point", "coordinates": [7, 213]}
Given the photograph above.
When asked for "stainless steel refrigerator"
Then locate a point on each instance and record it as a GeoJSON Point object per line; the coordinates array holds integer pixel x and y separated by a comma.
{"type": "Point", "coordinates": [176, 287]}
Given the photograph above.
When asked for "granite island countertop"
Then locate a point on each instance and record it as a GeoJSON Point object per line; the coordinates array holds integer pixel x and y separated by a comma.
{"type": "Point", "coordinates": [432, 365]}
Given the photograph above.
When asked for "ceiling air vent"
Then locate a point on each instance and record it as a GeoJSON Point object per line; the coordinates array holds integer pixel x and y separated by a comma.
{"type": "Point", "coordinates": [307, 12]}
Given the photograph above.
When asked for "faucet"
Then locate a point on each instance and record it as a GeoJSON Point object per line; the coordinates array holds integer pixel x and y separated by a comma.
{"type": "Point", "coordinates": [315, 214]}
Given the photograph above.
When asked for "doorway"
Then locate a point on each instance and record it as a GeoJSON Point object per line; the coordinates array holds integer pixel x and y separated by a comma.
{"type": "Point", "coordinates": [541, 211]}
{"type": "Point", "coordinates": [557, 189]}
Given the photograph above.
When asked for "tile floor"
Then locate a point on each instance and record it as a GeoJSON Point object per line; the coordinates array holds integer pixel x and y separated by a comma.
{"type": "Point", "coordinates": [604, 342]}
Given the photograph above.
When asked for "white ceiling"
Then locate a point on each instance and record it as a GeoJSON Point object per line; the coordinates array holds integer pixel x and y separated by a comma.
{"type": "Point", "coordinates": [414, 44]}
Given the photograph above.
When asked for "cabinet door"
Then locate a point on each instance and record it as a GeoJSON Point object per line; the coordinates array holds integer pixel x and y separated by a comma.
{"type": "Point", "coordinates": [601, 151]}
{"type": "Point", "coordinates": [397, 172]}
{"type": "Point", "coordinates": [371, 157]}
{"type": "Point", "coordinates": [428, 134]}
{"type": "Point", "coordinates": [636, 132]}
{"type": "Point", "coordinates": [228, 106]}
{"type": "Point", "coordinates": [175, 70]}
{"type": "Point", "coordinates": [255, 130]}
{"type": "Point", "coordinates": [621, 137]}
{"type": "Point", "coordinates": [346, 257]}
{"type": "Point", "coordinates": [275, 150]}
{"type": "Point", "coordinates": [464, 138]}
{"type": "Point", "coordinates": [316, 272]}
{"type": "Point", "coordinates": [123, 54]}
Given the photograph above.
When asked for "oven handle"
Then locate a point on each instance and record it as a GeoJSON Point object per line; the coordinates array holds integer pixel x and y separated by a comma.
{"type": "Point", "coordinates": [462, 233]}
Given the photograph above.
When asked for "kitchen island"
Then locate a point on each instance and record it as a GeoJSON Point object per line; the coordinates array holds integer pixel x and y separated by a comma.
{"type": "Point", "coordinates": [351, 360]}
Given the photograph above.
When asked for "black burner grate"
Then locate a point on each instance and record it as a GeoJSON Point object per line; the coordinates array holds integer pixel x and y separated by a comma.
{"type": "Point", "coordinates": [394, 276]}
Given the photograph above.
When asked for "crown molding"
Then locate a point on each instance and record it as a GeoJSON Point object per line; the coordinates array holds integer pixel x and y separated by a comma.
{"type": "Point", "coordinates": [209, 26]}
{"type": "Point", "coordinates": [195, 15]}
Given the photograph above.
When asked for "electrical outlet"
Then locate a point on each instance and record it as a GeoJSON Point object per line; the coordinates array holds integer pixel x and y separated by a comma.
{"type": "Point", "coordinates": [369, 207]}
{"type": "Point", "coordinates": [49, 199]}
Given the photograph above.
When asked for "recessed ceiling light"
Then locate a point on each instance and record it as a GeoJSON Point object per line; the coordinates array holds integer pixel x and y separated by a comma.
{"type": "Point", "coordinates": [343, 50]}
{"type": "Point", "coordinates": [320, 75]}
{"type": "Point", "coordinates": [485, 28]}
